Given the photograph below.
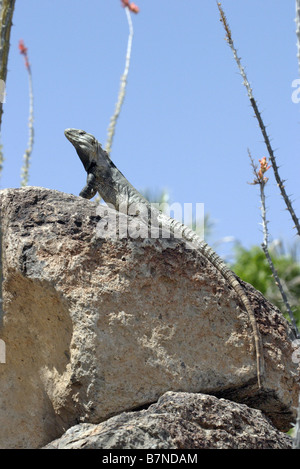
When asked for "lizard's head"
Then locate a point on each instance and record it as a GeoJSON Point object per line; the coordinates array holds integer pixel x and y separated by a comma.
{"type": "Point", "coordinates": [85, 144]}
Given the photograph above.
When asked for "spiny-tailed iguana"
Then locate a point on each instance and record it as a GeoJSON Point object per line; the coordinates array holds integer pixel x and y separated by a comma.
{"type": "Point", "coordinates": [105, 178]}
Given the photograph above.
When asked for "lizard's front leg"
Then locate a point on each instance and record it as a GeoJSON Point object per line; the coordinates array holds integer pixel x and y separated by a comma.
{"type": "Point", "coordinates": [89, 189]}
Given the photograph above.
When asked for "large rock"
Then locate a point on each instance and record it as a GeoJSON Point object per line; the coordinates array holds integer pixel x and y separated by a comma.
{"type": "Point", "coordinates": [179, 421]}
{"type": "Point", "coordinates": [96, 327]}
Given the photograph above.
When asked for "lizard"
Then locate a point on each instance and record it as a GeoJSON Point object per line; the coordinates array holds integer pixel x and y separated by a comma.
{"type": "Point", "coordinates": [105, 178]}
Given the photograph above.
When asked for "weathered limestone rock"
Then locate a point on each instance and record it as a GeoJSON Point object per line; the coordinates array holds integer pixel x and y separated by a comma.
{"type": "Point", "coordinates": [96, 327]}
{"type": "Point", "coordinates": [179, 421]}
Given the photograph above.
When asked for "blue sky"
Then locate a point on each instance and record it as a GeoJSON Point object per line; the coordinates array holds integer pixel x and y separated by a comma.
{"type": "Point", "coordinates": [186, 123]}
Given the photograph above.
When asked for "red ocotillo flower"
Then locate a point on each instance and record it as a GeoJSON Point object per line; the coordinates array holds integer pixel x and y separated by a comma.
{"type": "Point", "coordinates": [132, 6]}
{"type": "Point", "coordinates": [23, 51]}
{"type": "Point", "coordinates": [263, 168]}
{"type": "Point", "coordinates": [260, 177]}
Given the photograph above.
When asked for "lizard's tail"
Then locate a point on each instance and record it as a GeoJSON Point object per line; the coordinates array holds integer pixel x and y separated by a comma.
{"type": "Point", "coordinates": [232, 280]}
{"type": "Point", "coordinates": [190, 236]}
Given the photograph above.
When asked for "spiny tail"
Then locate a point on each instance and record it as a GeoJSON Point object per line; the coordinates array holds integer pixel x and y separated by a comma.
{"type": "Point", "coordinates": [228, 275]}
{"type": "Point", "coordinates": [190, 236]}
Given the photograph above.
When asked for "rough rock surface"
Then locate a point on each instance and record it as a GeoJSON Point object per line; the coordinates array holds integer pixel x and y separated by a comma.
{"type": "Point", "coordinates": [179, 421]}
{"type": "Point", "coordinates": [96, 327]}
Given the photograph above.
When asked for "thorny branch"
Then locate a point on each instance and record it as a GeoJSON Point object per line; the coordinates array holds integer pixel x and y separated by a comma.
{"type": "Point", "coordinates": [6, 14]}
{"type": "Point", "coordinates": [257, 113]}
{"type": "Point", "coordinates": [28, 151]}
{"type": "Point", "coordinates": [297, 19]}
{"type": "Point", "coordinates": [122, 90]}
{"type": "Point", "coordinates": [262, 180]}
{"type": "Point", "coordinates": [296, 442]}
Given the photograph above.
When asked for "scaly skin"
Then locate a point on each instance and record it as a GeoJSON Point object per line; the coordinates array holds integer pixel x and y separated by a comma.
{"type": "Point", "coordinates": [104, 177]}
